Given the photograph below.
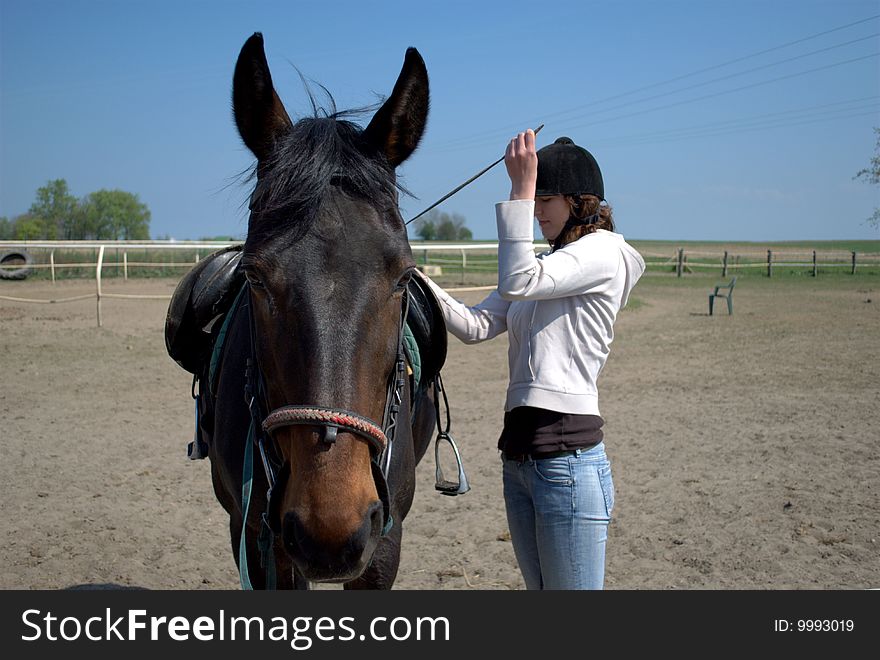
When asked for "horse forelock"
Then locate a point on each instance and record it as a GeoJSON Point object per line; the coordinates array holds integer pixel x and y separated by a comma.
{"type": "Point", "coordinates": [315, 155]}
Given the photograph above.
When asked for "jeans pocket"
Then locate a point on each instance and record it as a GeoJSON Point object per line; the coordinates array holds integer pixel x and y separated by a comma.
{"type": "Point", "coordinates": [607, 484]}
{"type": "Point", "coordinates": [555, 471]}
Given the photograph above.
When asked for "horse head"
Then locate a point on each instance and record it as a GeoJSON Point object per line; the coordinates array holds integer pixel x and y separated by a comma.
{"type": "Point", "coordinates": [327, 261]}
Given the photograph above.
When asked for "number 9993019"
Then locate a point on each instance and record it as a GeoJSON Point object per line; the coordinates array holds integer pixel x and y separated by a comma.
{"type": "Point", "coordinates": [825, 625]}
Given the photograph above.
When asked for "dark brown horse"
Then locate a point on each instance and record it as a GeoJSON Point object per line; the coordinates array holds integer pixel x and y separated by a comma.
{"type": "Point", "coordinates": [311, 362]}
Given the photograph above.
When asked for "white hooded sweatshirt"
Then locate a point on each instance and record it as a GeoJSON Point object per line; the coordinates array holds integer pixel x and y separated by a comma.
{"type": "Point", "coordinates": [558, 308]}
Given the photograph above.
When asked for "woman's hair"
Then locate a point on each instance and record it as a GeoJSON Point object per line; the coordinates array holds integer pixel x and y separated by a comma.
{"type": "Point", "coordinates": [581, 207]}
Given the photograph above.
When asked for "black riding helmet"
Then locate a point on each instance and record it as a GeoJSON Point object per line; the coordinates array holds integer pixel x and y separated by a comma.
{"type": "Point", "coordinates": [567, 169]}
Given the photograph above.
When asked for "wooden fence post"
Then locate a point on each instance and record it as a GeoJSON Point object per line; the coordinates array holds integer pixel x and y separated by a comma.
{"type": "Point", "coordinates": [125, 265]}
{"type": "Point", "coordinates": [815, 268]}
{"type": "Point", "coordinates": [680, 262]}
{"type": "Point", "coordinates": [724, 266]}
{"type": "Point", "coordinates": [98, 281]}
{"type": "Point", "coordinates": [52, 264]}
{"type": "Point", "coordinates": [769, 263]}
{"type": "Point", "coordinates": [854, 263]}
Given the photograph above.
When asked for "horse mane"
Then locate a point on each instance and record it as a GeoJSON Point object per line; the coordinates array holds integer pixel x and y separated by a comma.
{"type": "Point", "coordinates": [326, 149]}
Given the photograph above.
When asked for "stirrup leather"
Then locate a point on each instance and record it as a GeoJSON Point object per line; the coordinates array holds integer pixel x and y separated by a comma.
{"type": "Point", "coordinates": [442, 484]}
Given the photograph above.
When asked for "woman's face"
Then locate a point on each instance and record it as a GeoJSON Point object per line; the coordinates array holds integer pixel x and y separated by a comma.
{"type": "Point", "coordinates": [552, 213]}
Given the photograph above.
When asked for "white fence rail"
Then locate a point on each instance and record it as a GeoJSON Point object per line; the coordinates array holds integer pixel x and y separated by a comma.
{"type": "Point", "coordinates": [101, 247]}
{"type": "Point", "coordinates": [448, 254]}
{"type": "Point", "coordinates": [687, 261]}
{"type": "Point", "coordinates": [201, 248]}
{"type": "Point", "coordinates": [208, 247]}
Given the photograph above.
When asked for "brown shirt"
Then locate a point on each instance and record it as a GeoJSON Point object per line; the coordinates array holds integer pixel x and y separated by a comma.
{"type": "Point", "coordinates": [529, 430]}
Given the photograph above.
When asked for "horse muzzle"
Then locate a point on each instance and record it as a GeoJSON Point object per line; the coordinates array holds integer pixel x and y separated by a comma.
{"type": "Point", "coordinates": [323, 546]}
{"type": "Point", "coordinates": [322, 560]}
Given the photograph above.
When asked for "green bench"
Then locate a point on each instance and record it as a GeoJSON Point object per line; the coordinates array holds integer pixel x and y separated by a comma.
{"type": "Point", "coordinates": [717, 294]}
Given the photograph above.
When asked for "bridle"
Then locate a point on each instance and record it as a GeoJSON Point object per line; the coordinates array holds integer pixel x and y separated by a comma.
{"type": "Point", "coordinates": [379, 438]}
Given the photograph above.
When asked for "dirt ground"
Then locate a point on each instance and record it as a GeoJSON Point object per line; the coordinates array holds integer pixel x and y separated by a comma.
{"type": "Point", "coordinates": [744, 448]}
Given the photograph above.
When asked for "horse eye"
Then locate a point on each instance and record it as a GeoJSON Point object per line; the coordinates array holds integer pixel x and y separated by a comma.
{"type": "Point", "coordinates": [404, 281]}
{"type": "Point", "coordinates": [336, 180]}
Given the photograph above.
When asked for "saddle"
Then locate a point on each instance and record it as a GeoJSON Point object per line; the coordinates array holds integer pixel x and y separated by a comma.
{"type": "Point", "coordinates": [206, 293]}
{"type": "Point", "coordinates": [424, 321]}
{"type": "Point", "coordinates": [203, 295]}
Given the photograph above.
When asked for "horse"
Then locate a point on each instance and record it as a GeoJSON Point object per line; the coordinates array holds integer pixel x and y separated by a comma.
{"type": "Point", "coordinates": [311, 377]}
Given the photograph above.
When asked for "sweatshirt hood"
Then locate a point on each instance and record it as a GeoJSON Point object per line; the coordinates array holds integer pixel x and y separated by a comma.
{"type": "Point", "coordinates": [632, 262]}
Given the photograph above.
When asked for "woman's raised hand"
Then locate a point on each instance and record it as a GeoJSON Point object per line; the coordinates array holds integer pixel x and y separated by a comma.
{"type": "Point", "coordinates": [521, 160]}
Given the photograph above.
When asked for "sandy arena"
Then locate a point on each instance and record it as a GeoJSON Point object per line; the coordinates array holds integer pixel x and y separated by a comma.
{"type": "Point", "coordinates": [744, 448]}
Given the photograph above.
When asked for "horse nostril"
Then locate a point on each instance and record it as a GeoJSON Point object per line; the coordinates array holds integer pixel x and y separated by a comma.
{"type": "Point", "coordinates": [294, 534]}
{"type": "Point", "coordinates": [376, 513]}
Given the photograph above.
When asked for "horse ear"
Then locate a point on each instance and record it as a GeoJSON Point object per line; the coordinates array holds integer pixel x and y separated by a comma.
{"type": "Point", "coordinates": [259, 113]}
{"type": "Point", "coordinates": [397, 127]}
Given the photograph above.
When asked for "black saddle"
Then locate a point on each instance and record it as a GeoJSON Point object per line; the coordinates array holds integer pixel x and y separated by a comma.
{"type": "Point", "coordinates": [207, 292]}
{"type": "Point", "coordinates": [425, 320]}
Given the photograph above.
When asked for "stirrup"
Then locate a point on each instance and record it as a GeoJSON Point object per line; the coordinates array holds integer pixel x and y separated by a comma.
{"type": "Point", "coordinates": [198, 448]}
{"type": "Point", "coordinates": [446, 487]}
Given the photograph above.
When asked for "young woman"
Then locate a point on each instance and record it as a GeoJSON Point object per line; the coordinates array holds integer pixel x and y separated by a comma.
{"type": "Point", "coordinates": [558, 308]}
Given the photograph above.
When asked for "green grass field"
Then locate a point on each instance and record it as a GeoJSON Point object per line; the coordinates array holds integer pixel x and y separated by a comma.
{"type": "Point", "coordinates": [791, 259]}
{"type": "Point", "coordinates": [161, 263]}
{"type": "Point", "coordinates": [869, 247]}
{"type": "Point", "coordinates": [747, 260]}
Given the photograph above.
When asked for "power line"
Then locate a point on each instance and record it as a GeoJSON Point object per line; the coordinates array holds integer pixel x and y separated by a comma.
{"type": "Point", "coordinates": [739, 59]}
{"type": "Point", "coordinates": [570, 126]}
{"type": "Point", "coordinates": [480, 138]}
{"type": "Point", "coordinates": [703, 84]}
{"type": "Point", "coordinates": [738, 73]}
{"type": "Point", "coordinates": [790, 112]}
{"type": "Point", "coordinates": [727, 91]}
{"type": "Point", "coordinates": [769, 120]}
{"type": "Point", "coordinates": [747, 129]}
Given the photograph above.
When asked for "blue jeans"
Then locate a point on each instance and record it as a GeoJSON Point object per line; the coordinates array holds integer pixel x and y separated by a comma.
{"type": "Point", "coordinates": [558, 510]}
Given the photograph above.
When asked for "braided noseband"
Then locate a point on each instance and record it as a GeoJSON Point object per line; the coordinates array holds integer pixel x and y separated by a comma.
{"type": "Point", "coordinates": [332, 418]}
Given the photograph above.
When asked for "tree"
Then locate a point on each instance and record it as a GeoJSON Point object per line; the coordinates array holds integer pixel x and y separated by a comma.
{"type": "Point", "coordinates": [54, 209]}
{"type": "Point", "coordinates": [113, 214]}
{"type": "Point", "coordinates": [219, 239]}
{"type": "Point", "coordinates": [425, 228]}
{"type": "Point", "coordinates": [443, 227]}
{"type": "Point", "coordinates": [26, 227]}
{"type": "Point", "coordinates": [872, 175]}
{"type": "Point", "coordinates": [56, 214]}
{"type": "Point", "coordinates": [462, 233]}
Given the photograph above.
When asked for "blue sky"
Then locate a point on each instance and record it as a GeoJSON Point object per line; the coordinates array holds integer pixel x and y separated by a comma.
{"type": "Point", "coordinates": [710, 120]}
